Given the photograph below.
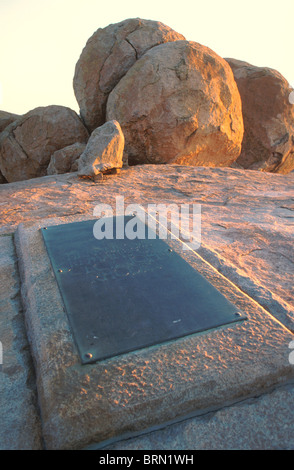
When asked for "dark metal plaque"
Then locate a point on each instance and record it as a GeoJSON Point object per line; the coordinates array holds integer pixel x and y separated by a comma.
{"type": "Point", "coordinates": [122, 295]}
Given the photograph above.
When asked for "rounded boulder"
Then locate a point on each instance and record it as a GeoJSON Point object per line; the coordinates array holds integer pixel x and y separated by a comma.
{"type": "Point", "coordinates": [107, 56]}
{"type": "Point", "coordinates": [268, 114]}
{"type": "Point", "coordinates": [179, 103]}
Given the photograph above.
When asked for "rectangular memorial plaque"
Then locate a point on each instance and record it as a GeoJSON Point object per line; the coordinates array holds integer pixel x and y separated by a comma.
{"type": "Point", "coordinates": [122, 295]}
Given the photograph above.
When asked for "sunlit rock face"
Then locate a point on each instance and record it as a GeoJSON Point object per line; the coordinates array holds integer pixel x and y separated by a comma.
{"type": "Point", "coordinates": [268, 115]}
{"type": "Point", "coordinates": [27, 144]}
{"type": "Point", "coordinates": [106, 58]}
{"type": "Point", "coordinates": [180, 104]}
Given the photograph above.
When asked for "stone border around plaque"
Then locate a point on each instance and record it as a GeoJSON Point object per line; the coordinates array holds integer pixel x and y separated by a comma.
{"type": "Point", "coordinates": [93, 404]}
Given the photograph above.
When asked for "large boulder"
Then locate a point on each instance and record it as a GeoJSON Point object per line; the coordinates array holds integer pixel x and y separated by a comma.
{"type": "Point", "coordinates": [104, 151]}
{"type": "Point", "coordinates": [27, 144]}
{"type": "Point", "coordinates": [180, 104]}
{"type": "Point", "coordinates": [268, 115]}
{"type": "Point", "coordinates": [107, 56]}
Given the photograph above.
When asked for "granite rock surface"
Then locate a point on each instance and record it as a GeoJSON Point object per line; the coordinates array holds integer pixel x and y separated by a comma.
{"type": "Point", "coordinates": [179, 104]}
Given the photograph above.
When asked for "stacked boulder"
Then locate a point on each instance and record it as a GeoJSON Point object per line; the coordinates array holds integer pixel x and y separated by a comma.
{"type": "Point", "coordinates": [147, 95]}
{"type": "Point", "coordinates": [106, 58]}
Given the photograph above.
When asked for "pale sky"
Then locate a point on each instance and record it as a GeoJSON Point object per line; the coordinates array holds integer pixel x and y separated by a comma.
{"type": "Point", "coordinates": [41, 40]}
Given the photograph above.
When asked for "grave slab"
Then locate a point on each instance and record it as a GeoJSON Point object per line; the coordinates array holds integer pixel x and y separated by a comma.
{"type": "Point", "coordinates": [86, 404]}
